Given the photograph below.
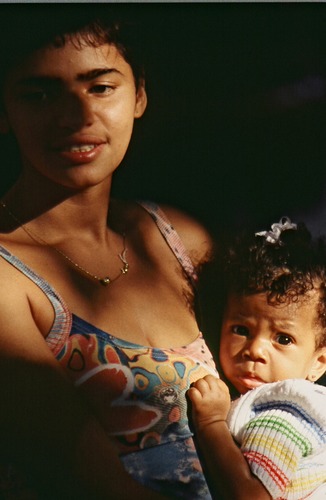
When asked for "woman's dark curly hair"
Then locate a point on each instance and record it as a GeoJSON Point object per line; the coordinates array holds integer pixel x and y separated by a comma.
{"type": "Point", "coordinates": [286, 269]}
{"type": "Point", "coordinates": [26, 28]}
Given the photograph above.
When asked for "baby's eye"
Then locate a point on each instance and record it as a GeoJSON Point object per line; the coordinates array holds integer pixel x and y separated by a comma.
{"type": "Point", "coordinates": [240, 330]}
{"type": "Point", "coordinates": [284, 339]}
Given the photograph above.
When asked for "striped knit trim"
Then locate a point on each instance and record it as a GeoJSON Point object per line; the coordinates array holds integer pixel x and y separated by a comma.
{"type": "Point", "coordinates": [286, 456]}
{"type": "Point", "coordinates": [62, 317]}
{"type": "Point", "coordinates": [297, 411]}
{"type": "Point", "coordinates": [267, 465]}
{"type": "Point", "coordinates": [284, 427]}
{"type": "Point", "coordinates": [302, 487]}
{"type": "Point", "coordinates": [277, 449]}
{"type": "Point", "coordinates": [284, 487]}
{"type": "Point", "coordinates": [171, 237]}
{"type": "Point", "coordinates": [281, 430]}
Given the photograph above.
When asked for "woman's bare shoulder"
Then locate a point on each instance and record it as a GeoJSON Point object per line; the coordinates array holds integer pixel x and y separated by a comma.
{"type": "Point", "coordinates": [23, 306]}
{"type": "Point", "coordinates": [193, 233]}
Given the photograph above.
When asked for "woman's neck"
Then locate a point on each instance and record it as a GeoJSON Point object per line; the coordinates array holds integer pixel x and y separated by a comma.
{"type": "Point", "coordinates": [61, 211]}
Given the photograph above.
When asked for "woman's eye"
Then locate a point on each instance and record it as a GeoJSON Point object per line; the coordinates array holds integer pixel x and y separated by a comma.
{"type": "Point", "coordinates": [284, 339]}
{"type": "Point", "coordinates": [240, 330]}
{"type": "Point", "coordinates": [101, 89]}
{"type": "Point", "coordinates": [36, 95]}
{"type": "Point", "coordinates": [43, 93]}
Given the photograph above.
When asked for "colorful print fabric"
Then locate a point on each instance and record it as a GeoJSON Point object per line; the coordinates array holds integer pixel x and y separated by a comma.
{"type": "Point", "coordinates": [138, 394]}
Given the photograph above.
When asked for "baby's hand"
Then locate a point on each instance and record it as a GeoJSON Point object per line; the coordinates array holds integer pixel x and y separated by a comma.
{"type": "Point", "coordinates": [210, 398]}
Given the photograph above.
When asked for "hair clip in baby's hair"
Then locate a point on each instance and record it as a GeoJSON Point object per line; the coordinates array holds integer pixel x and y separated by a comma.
{"type": "Point", "coordinates": [274, 235]}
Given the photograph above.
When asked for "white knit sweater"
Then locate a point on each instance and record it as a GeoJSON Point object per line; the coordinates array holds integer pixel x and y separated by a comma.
{"type": "Point", "coordinates": [281, 428]}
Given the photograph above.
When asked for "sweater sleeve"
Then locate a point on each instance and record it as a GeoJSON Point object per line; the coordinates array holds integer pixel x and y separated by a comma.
{"type": "Point", "coordinates": [281, 429]}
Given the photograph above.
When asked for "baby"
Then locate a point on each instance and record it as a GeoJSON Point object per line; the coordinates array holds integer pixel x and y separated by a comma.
{"type": "Point", "coordinates": [272, 347]}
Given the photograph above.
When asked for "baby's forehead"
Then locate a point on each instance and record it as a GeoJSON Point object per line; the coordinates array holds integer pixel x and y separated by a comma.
{"type": "Point", "coordinates": [302, 318]}
{"type": "Point", "coordinates": [261, 303]}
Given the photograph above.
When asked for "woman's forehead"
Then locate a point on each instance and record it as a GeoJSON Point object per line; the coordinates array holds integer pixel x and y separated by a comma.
{"type": "Point", "coordinates": [81, 62]}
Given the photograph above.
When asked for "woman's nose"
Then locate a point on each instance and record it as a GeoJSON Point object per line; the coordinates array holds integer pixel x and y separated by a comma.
{"type": "Point", "coordinates": [255, 350]}
{"type": "Point", "coordinates": [74, 112]}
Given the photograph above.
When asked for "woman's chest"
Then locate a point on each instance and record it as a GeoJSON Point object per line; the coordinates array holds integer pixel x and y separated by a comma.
{"type": "Point", "coordinates": [151, 304]}
{"type": "Point", "coordinates": [148, 307]}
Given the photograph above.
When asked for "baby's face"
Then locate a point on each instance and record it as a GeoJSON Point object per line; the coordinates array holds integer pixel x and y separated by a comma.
{"type": "Point", "coordinates": [263, 343]}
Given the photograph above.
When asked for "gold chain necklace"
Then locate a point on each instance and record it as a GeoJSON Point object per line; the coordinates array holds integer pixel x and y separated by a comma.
{"type": "Point", "coordinates": [103, 281]}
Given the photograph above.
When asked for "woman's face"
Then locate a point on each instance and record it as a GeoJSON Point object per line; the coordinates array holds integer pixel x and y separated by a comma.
{"type": "Point", "coordinates": [72, 112]}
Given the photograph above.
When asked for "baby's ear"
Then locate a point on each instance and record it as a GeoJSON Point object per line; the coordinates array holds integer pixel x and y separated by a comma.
{"type": "Point", "coordinates": [318, 367]}
{"type": "Point", "coordinates": [4, 124]}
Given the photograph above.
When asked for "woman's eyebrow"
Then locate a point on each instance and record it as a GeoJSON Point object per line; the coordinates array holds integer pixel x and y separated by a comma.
{"type": "Point", "coordinates": [82, 77]}
{"type": "Point", "coordinates": [95, 73]}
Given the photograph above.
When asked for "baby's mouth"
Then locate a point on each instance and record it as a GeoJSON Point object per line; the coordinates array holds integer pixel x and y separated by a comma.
{"type": "Point", "coordinates": [250, 381]}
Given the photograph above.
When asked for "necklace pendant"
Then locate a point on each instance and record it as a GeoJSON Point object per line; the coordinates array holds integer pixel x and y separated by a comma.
{"type": "Point", "coordinates": [105, 281]}
{"type": "Point", "coordinates": [124, 269]}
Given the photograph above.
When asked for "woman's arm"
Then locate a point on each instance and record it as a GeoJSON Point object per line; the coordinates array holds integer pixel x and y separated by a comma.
{"type": "Point", "coordinates": [229, 475]}
{"type": "Point", "coordinates": [45, 427]}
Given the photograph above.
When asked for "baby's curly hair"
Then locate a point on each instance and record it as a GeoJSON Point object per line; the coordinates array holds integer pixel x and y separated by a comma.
{"type": "Point", "coordinates": [286, 268]}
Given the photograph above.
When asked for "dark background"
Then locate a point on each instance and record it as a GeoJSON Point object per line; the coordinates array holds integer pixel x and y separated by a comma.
{"type": "Point", "coordinates": [234, 132]}
{"type": "Point", "coordinates": [235, 128]}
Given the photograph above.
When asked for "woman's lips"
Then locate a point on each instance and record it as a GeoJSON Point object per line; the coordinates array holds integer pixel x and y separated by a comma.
{"type": "Point", "coordinates": [80, 153]}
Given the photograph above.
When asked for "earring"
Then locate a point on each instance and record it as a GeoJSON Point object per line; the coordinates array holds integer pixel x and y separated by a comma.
{"type": "Point", "coordinates": [312, 377]}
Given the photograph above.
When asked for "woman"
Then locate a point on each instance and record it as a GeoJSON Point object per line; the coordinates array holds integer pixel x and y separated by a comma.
{"type": "Point", "coordinates": [98, 339]}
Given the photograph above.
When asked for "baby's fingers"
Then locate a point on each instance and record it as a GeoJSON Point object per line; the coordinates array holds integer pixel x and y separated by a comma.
{"type": "Point", "coordinates": [206, 384]}
{"type": "Point", "coordinates": [194, 395]}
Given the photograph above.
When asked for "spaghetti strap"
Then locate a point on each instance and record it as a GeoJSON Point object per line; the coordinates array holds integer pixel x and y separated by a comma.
{"type": "Point", "coordinates": [62, 317]}
{"type": "Point", "coordinates": [172, 238]}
